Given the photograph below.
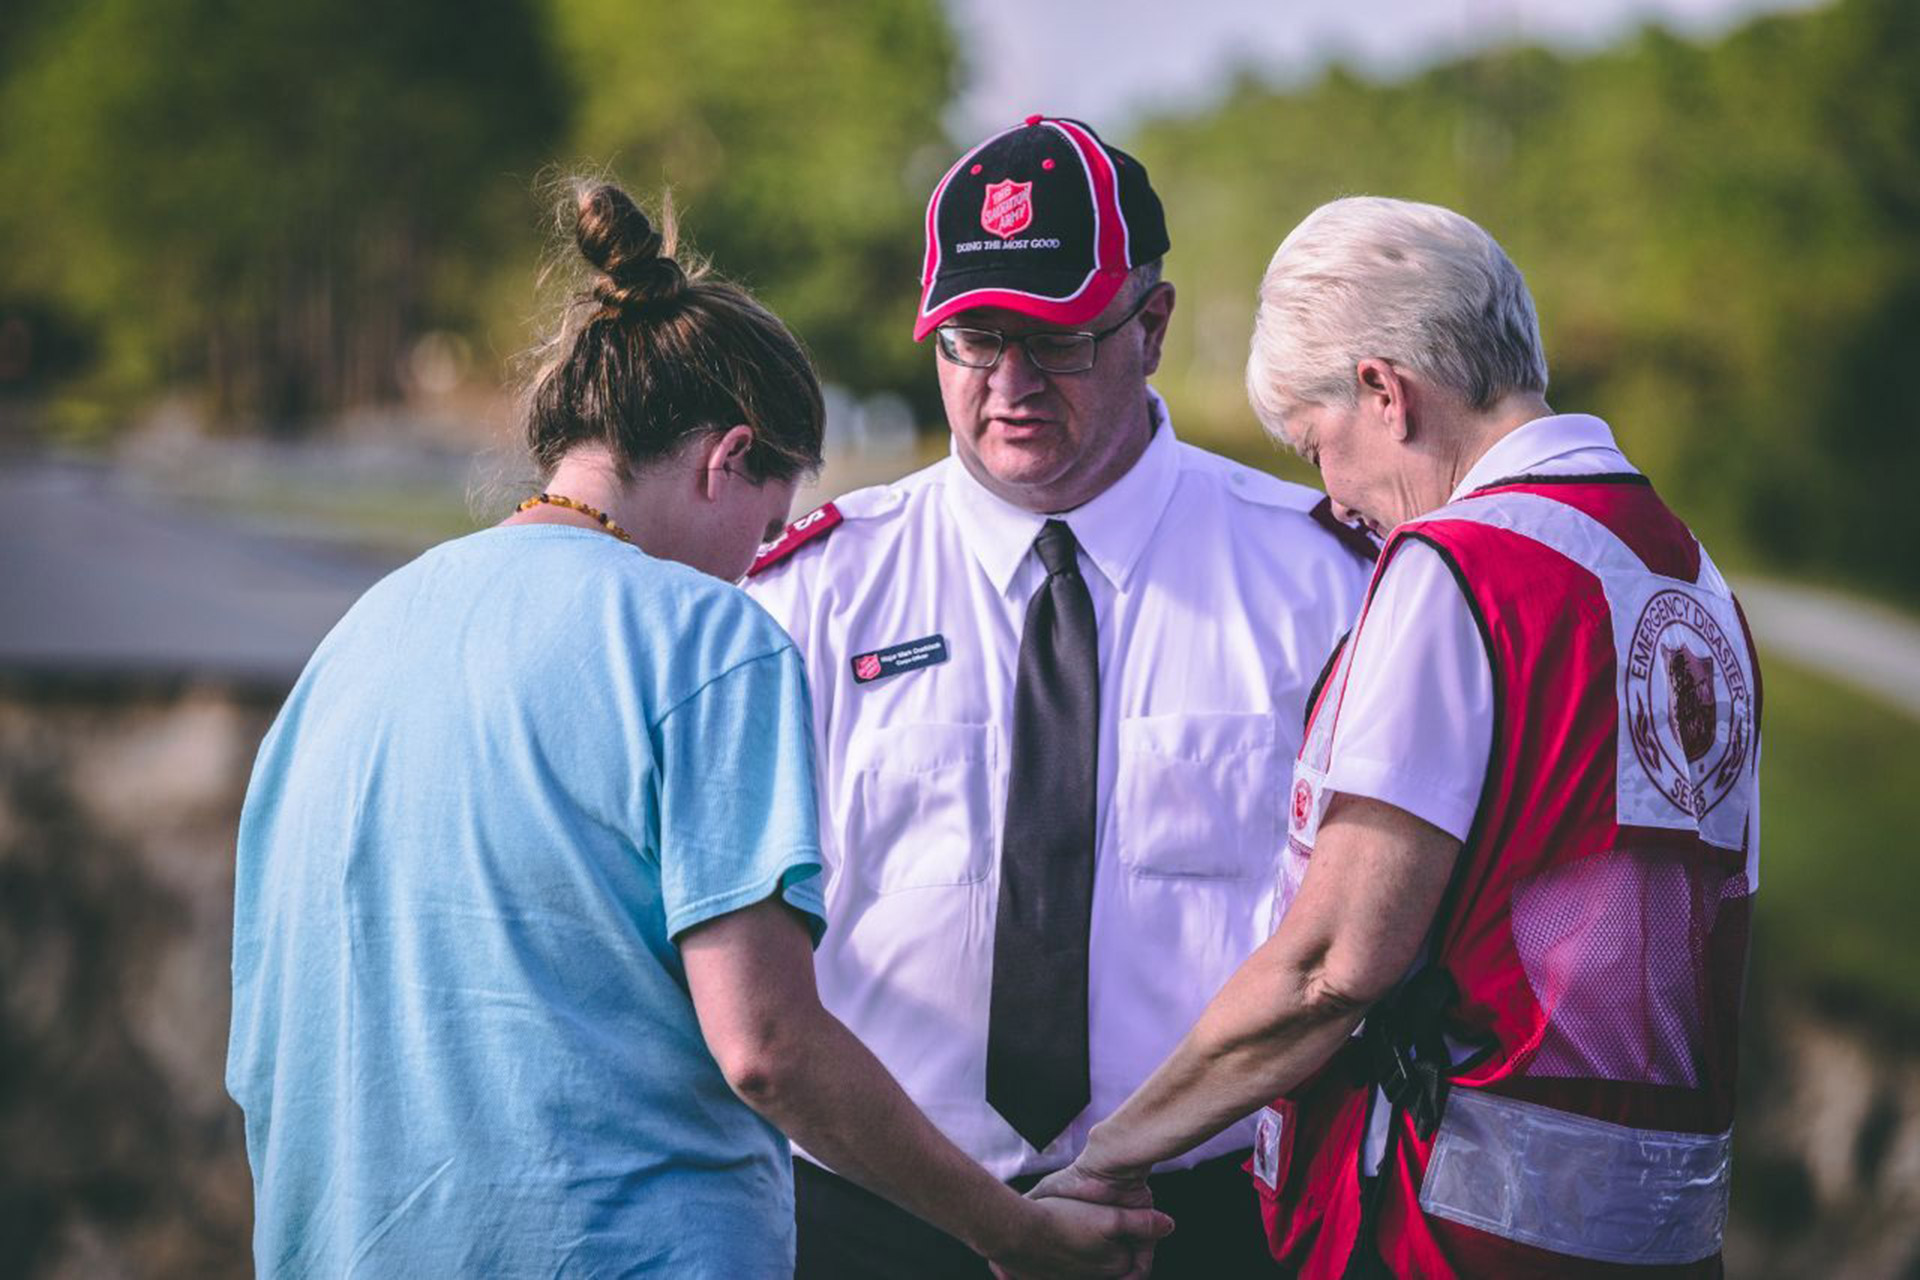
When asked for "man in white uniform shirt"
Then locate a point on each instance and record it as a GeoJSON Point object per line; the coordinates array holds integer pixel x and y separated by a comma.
{"type": "Point", "coordinates": [1058, 679]}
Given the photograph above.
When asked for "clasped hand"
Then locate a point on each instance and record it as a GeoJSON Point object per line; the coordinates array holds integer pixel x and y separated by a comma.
{"type": "Point", "coordinates": [1092, 1224]}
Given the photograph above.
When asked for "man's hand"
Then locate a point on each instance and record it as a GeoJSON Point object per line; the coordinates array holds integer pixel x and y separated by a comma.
{"type": "Point", "coordinates": [1071, 1238]}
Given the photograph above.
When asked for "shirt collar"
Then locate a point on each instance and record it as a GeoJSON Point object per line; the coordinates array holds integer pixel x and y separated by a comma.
{"type": "Point", "coordinates": [1532, 446]}
{"type": "Point", "coordinates": [1113, 528]}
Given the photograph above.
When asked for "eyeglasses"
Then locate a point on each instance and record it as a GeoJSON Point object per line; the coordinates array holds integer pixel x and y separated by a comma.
{"type": "Point", "coordinates": [1051, 351]}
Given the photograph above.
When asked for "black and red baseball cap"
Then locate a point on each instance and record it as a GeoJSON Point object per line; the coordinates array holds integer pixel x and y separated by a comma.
{"type": "Point", "coordinates": [1044, 219]}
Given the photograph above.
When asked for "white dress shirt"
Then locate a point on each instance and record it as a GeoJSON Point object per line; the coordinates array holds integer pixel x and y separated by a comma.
{"type": "Point", "coordinates": [1217, 598]}
{"type": "Point", "coordinates": [1416, 725]}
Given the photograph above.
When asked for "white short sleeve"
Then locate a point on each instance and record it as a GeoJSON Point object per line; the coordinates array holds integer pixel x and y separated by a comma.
{"type": "Point", "coordinates": [1416, 724]}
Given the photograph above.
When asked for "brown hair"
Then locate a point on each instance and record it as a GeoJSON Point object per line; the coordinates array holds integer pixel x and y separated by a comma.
{"type": "Point", "coordinates": [657, 352]}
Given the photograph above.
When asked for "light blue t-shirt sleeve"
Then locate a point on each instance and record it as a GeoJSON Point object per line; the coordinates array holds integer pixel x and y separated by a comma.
{"type": "Point", "coordinates": [738, 820]}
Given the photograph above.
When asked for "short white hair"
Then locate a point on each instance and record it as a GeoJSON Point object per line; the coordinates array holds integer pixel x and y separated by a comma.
{"type": "Point", "coordinates": [1415, 284]}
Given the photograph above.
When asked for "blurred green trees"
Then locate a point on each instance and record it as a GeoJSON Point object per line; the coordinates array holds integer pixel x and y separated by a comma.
{"type": "Point", "coordinates": [264, 200]}
{"type": "Point", "coordinates": [800, 142]}
{"type": "Point", "coordinates": [1723, 240]}
{"type": "Point", "coordinates": [268, 202]}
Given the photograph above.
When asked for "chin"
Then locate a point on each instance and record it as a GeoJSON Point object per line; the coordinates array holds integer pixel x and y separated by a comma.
{"type": "Point", "coordinates": [733, 571]}
{"type": "Point", "coordinates": [1020, 465]}
{"type": "Point", "coordinates": [736, 566]}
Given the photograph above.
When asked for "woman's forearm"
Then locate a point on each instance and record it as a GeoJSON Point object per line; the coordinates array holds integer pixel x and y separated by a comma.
{"type": "Point", "coordinates": [1350, 934]}
{"type": "Point", "coordinates": [751, 977]}
{"type": "Point", "coordinates": [1265, 1031]}
{"type": "Point", "coordinates": [750, 974]}
{"type": "Point", "coordinates": [838, 1101]}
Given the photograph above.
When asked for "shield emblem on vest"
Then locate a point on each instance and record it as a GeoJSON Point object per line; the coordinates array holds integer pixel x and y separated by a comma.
{"type": "Point", "coordinates": [1008, 208]}
{"type": "Point", "coordinates": [1687, 702]}
{"type": "Point", "coordinates": [1690, 676]}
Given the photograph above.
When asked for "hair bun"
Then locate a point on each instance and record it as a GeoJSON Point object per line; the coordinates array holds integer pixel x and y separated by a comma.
{"type": "Point", "coordinates": [634, 258]}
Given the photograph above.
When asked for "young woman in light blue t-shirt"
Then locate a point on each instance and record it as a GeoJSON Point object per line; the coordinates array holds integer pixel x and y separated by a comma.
{"type": "Point", "coordinates": [528, 871]}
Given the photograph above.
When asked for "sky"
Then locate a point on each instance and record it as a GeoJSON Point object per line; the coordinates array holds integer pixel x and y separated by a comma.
{"type": "Point", "coordinates": [1112, 61]}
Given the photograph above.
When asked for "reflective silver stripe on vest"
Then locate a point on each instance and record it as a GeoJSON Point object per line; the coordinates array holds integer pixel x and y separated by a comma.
{"type": "Point", "coordinates": [1577, 1185]}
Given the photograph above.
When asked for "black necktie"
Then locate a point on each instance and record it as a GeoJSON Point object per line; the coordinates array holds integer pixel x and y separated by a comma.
{"type": "Point", "coordinates": [1037, 1025]}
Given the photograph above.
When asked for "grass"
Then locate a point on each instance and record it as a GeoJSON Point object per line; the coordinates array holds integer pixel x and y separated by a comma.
{"type": "Point", "coordinates": [1839, 904]}
{"type": "Point", "coordinates": [396, 520]}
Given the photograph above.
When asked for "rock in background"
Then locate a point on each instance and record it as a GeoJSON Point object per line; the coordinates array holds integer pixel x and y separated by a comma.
{"type": "Point", "coordinates": [123, 1154]}
{"type": "Point", "coordinates": [144, 649]}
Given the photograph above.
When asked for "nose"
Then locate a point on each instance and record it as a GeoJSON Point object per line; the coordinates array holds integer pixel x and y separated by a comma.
{"type": "Point", "coordinates": [1015, 378]}
{"type": "Point", "coordinates": [1345, 514]}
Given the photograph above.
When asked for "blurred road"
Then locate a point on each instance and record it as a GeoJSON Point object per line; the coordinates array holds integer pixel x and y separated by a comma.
{"type": "Point", "coordinates": [98, 580]}
{"type": "Point", "coordinates": [101, 578]}
{"type": "Point", "coordinates": [1856, 642]}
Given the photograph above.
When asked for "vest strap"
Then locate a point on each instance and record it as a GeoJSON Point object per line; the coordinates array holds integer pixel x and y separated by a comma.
{"type": "Point", "coordinates": [1407, 1053]}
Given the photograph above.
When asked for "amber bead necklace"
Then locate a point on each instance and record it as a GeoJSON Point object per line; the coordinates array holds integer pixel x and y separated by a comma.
{"type": "Point", "coordinates": [574, 504]}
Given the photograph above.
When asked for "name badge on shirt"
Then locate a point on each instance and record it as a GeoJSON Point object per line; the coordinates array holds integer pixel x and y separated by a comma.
{"type": "Point", "coordinates": [911, 656]}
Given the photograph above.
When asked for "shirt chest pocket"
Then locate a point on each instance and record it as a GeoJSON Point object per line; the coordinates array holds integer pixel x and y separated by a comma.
{"type": "Point", "coordinates": [1200, 796]}
{"type": "Point", "coordinates": [919, 812]}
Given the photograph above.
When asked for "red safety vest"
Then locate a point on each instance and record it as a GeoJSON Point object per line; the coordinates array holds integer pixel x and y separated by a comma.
{"type": "Point", "coordinates": [1553, 1091]}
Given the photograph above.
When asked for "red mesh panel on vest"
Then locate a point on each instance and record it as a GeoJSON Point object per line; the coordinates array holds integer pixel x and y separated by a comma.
{"type": "Point", "coordinates": [1619, 950]}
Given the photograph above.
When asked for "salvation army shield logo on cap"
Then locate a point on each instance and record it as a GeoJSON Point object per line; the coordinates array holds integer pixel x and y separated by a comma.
{"type": "Point", "coordinates": [1007, 209]}
{"type": "Point", "coordinates": [1044, 219]}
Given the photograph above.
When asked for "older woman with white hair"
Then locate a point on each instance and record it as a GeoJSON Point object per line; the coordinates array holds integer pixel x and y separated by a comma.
{"type": "Point", "coordinates": [1495, 1028]}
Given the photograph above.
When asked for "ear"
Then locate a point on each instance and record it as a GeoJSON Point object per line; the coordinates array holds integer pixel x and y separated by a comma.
{"type": "Point", "coordinates": [724, 458]}
{"type": "Point", "coordinates": [1154, 318]}
{"type": "Point", "coordinates": [1385, 392]}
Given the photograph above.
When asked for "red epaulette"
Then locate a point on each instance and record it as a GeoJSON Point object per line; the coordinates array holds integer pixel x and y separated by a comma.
{"type": "Point", "coordinates": [1353, 538]}
{"type": "Point", "coordinates": [815, 524]}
